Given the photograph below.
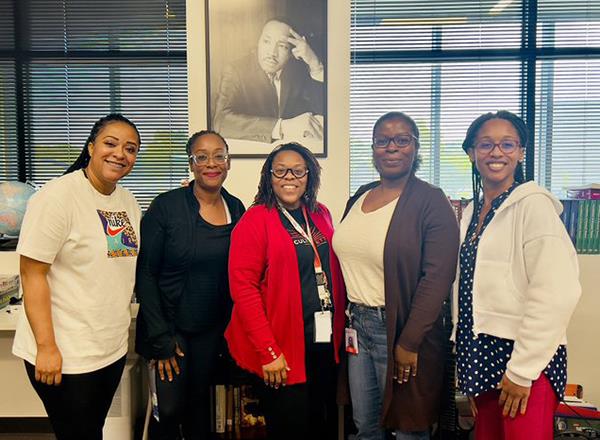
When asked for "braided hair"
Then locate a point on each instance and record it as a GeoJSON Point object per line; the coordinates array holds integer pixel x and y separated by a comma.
{"type": "Point", "coordinates": [83, 159]}
{"type": "Point", "coordinates": [469, 143]}
{"type": "Point", "coordinates": [266, 196]}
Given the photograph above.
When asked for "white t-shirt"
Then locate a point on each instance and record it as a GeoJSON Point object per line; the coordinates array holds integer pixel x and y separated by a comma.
{"type": "Point", "coordinates": [358, 243]}
{"type": "Point", "coordinates": [91, 241]}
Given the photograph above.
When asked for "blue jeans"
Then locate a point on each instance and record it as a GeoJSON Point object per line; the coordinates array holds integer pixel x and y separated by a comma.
{"type": "Point", "coordinates": [367, 373]}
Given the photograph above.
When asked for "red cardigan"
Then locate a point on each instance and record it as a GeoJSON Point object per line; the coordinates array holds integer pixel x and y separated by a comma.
{"type": "Point", "coordinates": [265, 286]}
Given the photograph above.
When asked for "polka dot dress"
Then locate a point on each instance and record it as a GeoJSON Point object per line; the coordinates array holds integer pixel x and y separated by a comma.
{"type": "Point", "coordinates": [482, 359]}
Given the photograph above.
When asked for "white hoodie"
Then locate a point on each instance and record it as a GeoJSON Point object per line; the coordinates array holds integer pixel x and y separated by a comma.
{"type": "Point", "coordinates": [526, 279]}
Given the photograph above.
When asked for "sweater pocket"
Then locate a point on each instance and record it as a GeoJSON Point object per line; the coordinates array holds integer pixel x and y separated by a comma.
{"type": "Point", "coordinates": [494, 290]}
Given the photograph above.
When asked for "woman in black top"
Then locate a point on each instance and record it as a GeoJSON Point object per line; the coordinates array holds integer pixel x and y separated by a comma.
{"type": "Point", "coordinates": [182, 286]}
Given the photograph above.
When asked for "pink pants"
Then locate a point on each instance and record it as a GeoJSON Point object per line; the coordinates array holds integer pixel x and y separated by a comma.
{"type": "Point", "coordinates": [536, 424]}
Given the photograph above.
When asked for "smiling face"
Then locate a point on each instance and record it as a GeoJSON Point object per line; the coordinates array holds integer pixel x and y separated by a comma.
{"type": "Point", "coordinates": [496, 167]}
{"type": "Point", "coordinates": [210, 175]}
{"type": "Point", "coordinates": [273, 47]}
{"type": "Point", "coordinates": [113, 153]}
{"type": "Point", "coordinates": [289, 189]}
{"type": "Point", "coordinates": [393, 162]}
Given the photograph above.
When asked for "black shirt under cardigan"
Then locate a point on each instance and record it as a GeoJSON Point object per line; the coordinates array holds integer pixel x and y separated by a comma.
{"type": "Point", "coordinates": [311, 302]}
{"type": "Point", "coordinates": [182, 283]}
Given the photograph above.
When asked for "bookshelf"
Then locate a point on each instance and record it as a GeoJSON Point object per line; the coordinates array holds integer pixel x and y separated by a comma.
{"type": "Point", "coordinates": [235, 405]}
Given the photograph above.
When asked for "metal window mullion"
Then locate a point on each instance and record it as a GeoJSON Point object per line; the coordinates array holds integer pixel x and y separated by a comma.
{"type": "Point", "coordinates": [529, 43]}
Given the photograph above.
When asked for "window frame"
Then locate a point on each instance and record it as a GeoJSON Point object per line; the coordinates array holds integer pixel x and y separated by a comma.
{"type": "Point", "coordinates": [528, 54]}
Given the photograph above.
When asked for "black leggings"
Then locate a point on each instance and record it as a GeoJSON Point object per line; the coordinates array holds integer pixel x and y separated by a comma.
{"type": "Point", "coordinates": [308, 410]}
{"type": "Point", "coordinates": [186, 400]}
{"type": "Point", "coordinates": [78, 406]}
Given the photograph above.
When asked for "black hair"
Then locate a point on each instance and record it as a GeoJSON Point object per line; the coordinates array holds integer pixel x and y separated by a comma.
{"type": "Point", "coordinates": [193, 138]}
{"type": "Point", "coordinates": [469, 143]}
{"type": "Point", "coordinates": [266, 196]}
{"type": "Point", "coordinates": [400, 116]}
{"type": "Point", "coordinates": [83, 159]}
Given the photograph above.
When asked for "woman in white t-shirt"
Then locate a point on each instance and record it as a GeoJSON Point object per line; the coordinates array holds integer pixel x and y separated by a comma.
{"type": "Point", "coordinates": [78, 248]}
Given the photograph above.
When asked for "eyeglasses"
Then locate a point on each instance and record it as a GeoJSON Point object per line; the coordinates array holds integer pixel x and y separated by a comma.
{"type": "Point", "coordinates": [298, 173]}
{"type": "Point", "coordinates": [202, 158]}
{"type": "Point", "coordinates": [401, 141]}
{"type": "Point", "coordinates": [507, 146]}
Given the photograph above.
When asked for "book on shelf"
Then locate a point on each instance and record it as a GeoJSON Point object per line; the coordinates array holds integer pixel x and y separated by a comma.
{"type": "Point", "coordinates": [237, 413]}
{"type": "Point", "coordinates": [586, 192]}
{"type": "Point", "coordinates": [220, 409]}
{"type": "Point", "coordinates": [582, 222]}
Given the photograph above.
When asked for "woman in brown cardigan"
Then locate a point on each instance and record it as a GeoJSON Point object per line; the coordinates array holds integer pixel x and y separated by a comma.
{"type": "Point", "coordinates": [397, 245]}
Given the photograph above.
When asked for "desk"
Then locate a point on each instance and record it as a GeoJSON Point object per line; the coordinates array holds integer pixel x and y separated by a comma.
{"type": "Point", "coordinates": [20, 400]}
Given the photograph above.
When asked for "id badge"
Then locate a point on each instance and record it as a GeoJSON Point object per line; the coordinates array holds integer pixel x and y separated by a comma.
{"type": "Point", "coordinates": [351, 338]}
{"type": "Point", "coordinates": [323, 326]}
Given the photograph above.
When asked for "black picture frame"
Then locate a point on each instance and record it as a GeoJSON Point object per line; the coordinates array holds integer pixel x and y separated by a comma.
{"type": "Point", "coordinates": [237, 104]}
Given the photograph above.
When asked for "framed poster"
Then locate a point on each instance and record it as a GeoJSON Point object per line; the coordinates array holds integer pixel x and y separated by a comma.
{"type": "Point", "coordinates": [267, 74]}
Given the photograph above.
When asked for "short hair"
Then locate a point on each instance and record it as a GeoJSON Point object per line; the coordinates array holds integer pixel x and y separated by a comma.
{"type": "Point", "coordinates": [400, 116]}
{"type": "Point", "coordinates": [83, 159]}
{"type": "Point", "coordinates": [193, 138]}
{"type": "Point", "coordinates": [469, 143]}
{"type": "Point", "coordinates": [266, 196]}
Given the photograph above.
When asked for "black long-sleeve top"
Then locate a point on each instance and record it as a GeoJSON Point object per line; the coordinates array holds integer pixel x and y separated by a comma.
{"type": "Point", "coordinates": [181, 278]}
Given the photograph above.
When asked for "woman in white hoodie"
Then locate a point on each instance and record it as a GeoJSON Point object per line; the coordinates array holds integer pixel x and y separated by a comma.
{"type": "Point", "coordinates": [516, 288]}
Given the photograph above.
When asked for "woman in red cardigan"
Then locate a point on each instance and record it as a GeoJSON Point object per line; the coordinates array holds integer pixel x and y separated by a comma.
{"type": "Point", "coordinates": [289, 301]}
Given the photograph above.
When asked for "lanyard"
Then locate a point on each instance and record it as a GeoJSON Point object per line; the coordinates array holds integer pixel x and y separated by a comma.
{"type": "Point", "coordinates": [322, 289]}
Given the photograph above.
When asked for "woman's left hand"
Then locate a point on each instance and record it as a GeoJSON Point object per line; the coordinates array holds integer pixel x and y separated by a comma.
{"type": "Point", "coordinates": [406, 364]}
{"type": "Point", "coordinates": [513, 397]}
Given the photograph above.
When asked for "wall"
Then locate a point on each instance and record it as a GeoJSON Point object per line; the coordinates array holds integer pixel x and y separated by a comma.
{"type": "Point", "coordinates": [584, 330]}
{"type": "Point", "coordinates": [243, 177]}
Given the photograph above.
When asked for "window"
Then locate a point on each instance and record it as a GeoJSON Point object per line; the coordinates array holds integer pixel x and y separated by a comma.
{"type": "Point", "coordinates": [78, 60]}
{"type": "Point", "coordinates": [446, 62]}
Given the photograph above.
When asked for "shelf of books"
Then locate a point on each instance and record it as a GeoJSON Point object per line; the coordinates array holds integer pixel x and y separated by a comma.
{"type": "Point", "coordinates": [236, 413]}
{"type": "Point", "coordinates": [235, 407]}
{"type": "Point", "coordinates": [581, 216]}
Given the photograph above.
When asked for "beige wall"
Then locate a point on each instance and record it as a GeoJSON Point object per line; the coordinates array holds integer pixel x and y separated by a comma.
{"type": "Point", "coordinates": [243, 178]}
{"type": "Point", "coordinates": [584, 331]}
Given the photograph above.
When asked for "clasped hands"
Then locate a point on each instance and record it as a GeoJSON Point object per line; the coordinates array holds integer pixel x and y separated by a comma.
{"type": "Point", "coordinates": [275, 373]}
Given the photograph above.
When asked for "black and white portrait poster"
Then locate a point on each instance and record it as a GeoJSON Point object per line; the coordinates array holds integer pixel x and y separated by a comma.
{"type": "Point", "coordinates": [266, 65]}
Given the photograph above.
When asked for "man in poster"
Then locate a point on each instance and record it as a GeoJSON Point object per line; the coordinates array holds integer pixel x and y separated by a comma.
{"type": "Point", "coordinates": [275, 93]}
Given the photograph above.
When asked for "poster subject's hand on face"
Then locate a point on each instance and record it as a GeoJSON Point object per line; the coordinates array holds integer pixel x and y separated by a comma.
{"type": "Point", "coordinates": [302, 126]}
{"type": "Point", "coordinates": [302, 51]}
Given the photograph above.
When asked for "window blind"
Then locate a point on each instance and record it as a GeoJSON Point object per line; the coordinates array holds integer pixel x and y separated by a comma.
{"type": "Point", "coordinates": [84, 59]}
{"type": "Point", "coordinates": [8, 123]}
{"type": "Point", "coordinates": [446, 62]}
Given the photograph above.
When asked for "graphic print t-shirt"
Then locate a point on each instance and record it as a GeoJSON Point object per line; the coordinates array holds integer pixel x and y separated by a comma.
{"type": "Point", "coordinates": [91, 241]}
{"type": "Point", "coordinates": [310, 295]}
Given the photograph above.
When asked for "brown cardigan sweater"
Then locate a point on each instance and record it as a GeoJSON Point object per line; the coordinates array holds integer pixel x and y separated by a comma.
{"type": "Point", "coordinates": [420, 252]}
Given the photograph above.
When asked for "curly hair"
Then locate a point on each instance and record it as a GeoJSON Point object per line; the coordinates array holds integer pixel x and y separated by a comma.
{"type": "Point", "coordinates": [471, 136]}
{"type": "Point", "coordinates": [83, 159]}
{"type": "Point", "coordinates": [266, 195]}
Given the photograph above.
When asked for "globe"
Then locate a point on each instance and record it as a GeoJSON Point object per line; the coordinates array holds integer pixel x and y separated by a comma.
{"type": "Point", "coordinates": [13, 202]}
